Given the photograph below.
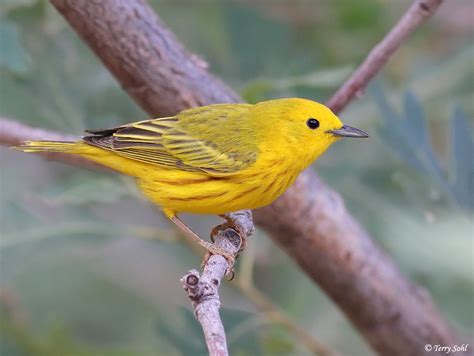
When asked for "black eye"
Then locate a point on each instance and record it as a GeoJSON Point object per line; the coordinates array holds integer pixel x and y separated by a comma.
{"type": "Point", "coordinates": [312, 123]}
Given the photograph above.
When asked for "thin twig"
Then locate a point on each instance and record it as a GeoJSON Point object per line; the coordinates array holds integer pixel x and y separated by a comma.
{"type": "Point", "coordinates": [203, 289]}
{"type": "Point", "coordinates": [418, 13]}
{"type": "Point", "coordinates": [273, 313]}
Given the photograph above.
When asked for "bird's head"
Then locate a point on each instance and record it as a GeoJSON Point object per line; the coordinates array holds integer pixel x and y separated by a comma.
{"type": "Point", "coordinates": [306, 128]}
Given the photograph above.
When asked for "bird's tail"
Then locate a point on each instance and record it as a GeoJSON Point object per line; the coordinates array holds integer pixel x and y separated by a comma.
{"type": "Point", "coordinates": [102, 156]}
{"type": "Point", "coordinates": [51, 146]}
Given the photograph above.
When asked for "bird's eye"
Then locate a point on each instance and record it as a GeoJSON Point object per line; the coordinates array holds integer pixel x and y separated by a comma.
{"type": "Point", "coordinates": [312, 123]}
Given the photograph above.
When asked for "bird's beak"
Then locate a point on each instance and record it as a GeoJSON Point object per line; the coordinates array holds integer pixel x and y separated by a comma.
{"type": "Point", "coordinates": [348, 131]}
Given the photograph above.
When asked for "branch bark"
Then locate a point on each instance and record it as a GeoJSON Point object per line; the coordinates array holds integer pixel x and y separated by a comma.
{"type": "Point", "coordinates": [395, 316]}
{"type": "Point", "coordinates": [203, 290]}
{"type": "Point", "coordinates": [144, 55]}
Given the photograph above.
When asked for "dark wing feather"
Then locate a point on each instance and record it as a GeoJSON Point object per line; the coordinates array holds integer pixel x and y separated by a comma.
{"type": "Point", "coordinates": [167, 143]}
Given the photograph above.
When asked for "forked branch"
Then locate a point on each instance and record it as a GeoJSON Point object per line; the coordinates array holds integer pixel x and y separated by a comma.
{"type": "Point", "coordinates": [203, 289]}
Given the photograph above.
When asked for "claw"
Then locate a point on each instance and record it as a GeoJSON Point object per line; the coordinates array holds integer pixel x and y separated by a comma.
{"type": "Point", "coordinates": [230, 224]}
{"type": "Point", "coordinates": [212, 250]}
{"type": "Point", "coordinates": [231, 272]}
{"type": "Point", "coordinates": [216, 229]}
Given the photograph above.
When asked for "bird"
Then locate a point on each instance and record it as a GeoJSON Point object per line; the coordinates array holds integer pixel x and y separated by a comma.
{"type": "Point", "coordinates": [213, 159]}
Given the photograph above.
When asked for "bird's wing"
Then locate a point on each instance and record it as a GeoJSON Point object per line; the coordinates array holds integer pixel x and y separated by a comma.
{"type": "Point", "coordinates": [209, 139]}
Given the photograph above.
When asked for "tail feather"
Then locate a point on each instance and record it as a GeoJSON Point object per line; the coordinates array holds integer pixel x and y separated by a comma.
{"type": "Point", "coordinates": [102, 156]}
{"type": "Point", "coordinates": [49, 146]}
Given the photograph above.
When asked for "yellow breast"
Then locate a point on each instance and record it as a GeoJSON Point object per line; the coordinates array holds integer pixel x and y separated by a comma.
{"type": "Point", "coordinates": [192, 192]}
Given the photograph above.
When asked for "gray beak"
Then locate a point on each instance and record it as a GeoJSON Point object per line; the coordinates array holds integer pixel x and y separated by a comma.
{"type": "Point", "coordinates": [348, 131]}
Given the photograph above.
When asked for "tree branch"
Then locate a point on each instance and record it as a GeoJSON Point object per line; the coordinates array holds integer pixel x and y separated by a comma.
{"type": "Point", "coordinates": [395, 316]}
{"type": "Point", "coordinates": [418, 13]}
{"type": "Point", "coordinates": [144, 55]}
{"type": "Point", "coordinates": [203, 290]}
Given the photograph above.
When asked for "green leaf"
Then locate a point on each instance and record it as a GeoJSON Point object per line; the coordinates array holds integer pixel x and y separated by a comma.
{"type": "Point", "coordinates": [408, 136]}
{"type": "Point", "coordinates": [415, 127]}
{"type": "Point", "coordinates": [393, 130]}
{"type": "Point", "coordinates": [415, 118]}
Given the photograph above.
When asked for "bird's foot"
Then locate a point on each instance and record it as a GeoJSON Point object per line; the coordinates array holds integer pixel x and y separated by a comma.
{"type": "Point", "coordinates": [231, 224]}
{"type": "Point", "coordinates": [211, 249]}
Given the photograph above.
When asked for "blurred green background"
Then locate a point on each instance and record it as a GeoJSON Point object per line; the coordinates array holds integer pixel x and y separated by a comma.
{"type": "Point", "coordinates": [89, 267]}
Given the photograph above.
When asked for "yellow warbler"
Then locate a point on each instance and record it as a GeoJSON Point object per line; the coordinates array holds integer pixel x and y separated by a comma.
{"type": "Point", "coordinates": [214, 159]}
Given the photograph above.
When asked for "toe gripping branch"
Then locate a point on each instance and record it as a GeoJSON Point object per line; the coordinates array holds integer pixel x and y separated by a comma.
{"type": "Point", "coordinates": [229, 240]}
{"type": "Point", "coordinates": [236, 230]}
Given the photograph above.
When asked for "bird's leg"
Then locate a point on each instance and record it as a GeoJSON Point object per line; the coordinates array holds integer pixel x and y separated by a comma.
{"type": "Point", "coordinates": [209, 247]}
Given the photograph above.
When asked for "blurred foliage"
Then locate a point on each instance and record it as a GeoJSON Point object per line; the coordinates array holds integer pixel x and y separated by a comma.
{"type": "Point", "coordinates": [13, 56]}
{"type": "Point", "coordinates": [75, 279]}
{"type": "Point", "coordinates": [409, 137]}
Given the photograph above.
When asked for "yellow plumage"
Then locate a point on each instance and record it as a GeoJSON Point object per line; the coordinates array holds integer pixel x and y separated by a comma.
{"type": "Point", "coordinates": [214, 159]}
